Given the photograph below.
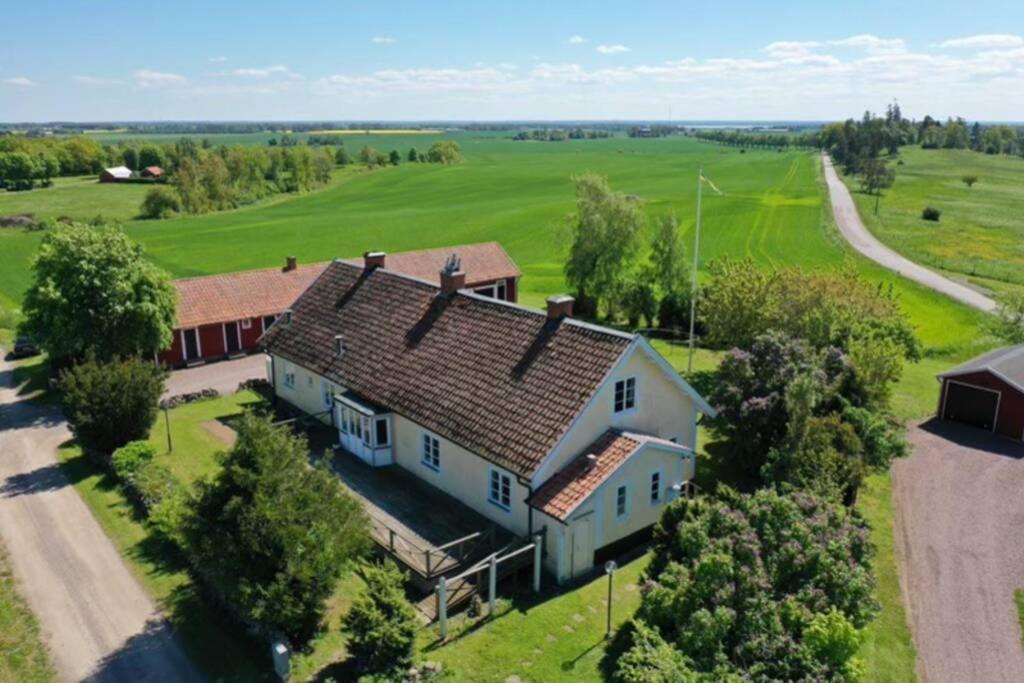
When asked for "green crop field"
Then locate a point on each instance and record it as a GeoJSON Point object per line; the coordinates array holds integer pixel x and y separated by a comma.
{"type": "Point", "coordinates": [980, 235]}
{"type": "Point", "coordinates": [81, 198]}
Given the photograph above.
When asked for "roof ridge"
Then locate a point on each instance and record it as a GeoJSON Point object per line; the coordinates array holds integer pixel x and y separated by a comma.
{"type": "Point", "coordinates": [538, 312]}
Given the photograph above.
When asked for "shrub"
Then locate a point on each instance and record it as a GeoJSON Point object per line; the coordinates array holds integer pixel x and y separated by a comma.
{"type": "Point", "coordinates": [160, 202]}
{"type": "Point", "coordinates": [153, 483]}
{"type": "Point", "coordinates": [127, 459]}
{"type": "Point", "coordinates": [108, 405]}
{"type": "Point", "coordinates": [381, 625]}
{"type": "Point", "coordinates": [753, 587]}
{"type": "Point", "coordinates": [930, 213]}
{"type": "Point", "coordinates": [969, 180]}
{"type": "Point", "coordinates": [743, 301]}
{"type": "Point", "coordinates": [272, 534]}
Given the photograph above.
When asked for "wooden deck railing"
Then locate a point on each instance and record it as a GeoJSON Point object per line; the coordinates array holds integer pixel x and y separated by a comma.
{"type": "Point", "coordinates": [427, 560]}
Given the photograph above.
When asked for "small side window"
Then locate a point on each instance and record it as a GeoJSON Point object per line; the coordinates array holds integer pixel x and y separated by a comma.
{"type": "Point", "coordinates": [625, 394]}
{"type": "Point", "coordinates": [621, 502]}
{"type": "Point", "coordinates": [655, 488]}
{"type": "Point", "coordinates": [383, 435]}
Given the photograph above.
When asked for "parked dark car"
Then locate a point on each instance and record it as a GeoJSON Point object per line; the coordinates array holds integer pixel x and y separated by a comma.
{"type": "Point", "coordinates": [24, 347]}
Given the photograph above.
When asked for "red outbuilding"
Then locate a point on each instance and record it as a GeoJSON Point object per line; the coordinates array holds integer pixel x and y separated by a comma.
{"type": "Point", "coordinates": [223, 316]}
{"type": "Point", "coordinates": [987, 392]}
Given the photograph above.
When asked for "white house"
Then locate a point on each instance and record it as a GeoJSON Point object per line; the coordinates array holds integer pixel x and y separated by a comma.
{"type": "Point", "coordinates": [538, 421]}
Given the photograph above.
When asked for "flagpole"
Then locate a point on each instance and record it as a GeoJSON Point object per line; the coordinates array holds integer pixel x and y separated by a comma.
{"type": "Point", "coordinates": [696, 261]}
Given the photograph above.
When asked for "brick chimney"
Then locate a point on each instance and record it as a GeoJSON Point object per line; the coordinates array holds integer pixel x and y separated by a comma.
{"type": "Point", "coordinates": [290, 264]}
{"type": "Point", "coordinates": [560, 307]}
{"type": "Point", "coordinates": [452, 282]}
{"type": "Point", "coordinates": [373, 259]}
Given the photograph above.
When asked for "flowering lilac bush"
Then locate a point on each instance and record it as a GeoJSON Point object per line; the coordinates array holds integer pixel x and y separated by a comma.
{"type": "Point", "coordinates": [753, 587]}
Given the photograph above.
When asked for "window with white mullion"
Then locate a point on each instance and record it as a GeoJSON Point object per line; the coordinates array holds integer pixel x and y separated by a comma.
{"type": "Point", "coordinates": [500, 490]}
{"type": "Point", "coordinates": [655, 488]}
{"type": "Point", "coordinates": [431, 452]}
{"type": "Point", "coordinates": [625, 395]}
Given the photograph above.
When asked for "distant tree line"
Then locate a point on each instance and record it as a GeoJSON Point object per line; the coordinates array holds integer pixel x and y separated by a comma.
{"type": "Point", "coordinates": [759, 140]}
{"type": "Point", "coordinates": [561, 135]}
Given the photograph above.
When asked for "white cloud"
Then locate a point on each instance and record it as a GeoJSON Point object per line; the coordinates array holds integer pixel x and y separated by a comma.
{"type": "Point", "coordinates": [20, 81]}
{"type": "Point", "coordinates": [261, 72]}
{"type": "Point", "coordinates": [419, 80]}
{"type": "Point", "coordinates": [146, 78]}
{"type": "Point", "coordinates": [576, 40]}
{"type": "Point", "coordinates": [217, 60]}
{"type": "Point", "coordinates": [872, 43]}
{"type": "Point", "coordinates": [383, 40]}
{"type": "Point", "coordinates": [615, 49]}
{"type": "Point", "coordinates": [96, 80]}
{"type": "Point", "coordinates": [791, 48]}
{"type": "Point", "coordinates": [986, 40]}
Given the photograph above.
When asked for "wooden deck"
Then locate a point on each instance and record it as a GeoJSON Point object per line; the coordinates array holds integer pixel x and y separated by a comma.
{"type": "Point", "coordinates": [424, 528]}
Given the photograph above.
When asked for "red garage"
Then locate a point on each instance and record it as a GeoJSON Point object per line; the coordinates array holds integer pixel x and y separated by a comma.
{"type": "Point", "coordinates": [987, 392]}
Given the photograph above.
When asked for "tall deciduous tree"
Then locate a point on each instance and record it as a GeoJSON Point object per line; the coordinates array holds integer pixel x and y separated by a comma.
{"type": "Point", "coordinates": [94, 292]}
{"type": "Point", "coordinates": [607, 232]}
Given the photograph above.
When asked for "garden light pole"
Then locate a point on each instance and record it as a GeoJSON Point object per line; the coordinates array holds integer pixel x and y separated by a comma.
{"type": "Point", "coordinates": [167, 422]}
{"type": "Point", "coordinates": [609, 569]}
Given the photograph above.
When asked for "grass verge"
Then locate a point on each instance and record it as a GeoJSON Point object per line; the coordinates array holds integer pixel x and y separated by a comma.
{"type": "Point", "coordinates": [1018, 597]}
{"type": "Point", "coordinates": [888, 648]}
{"type": "Point", "coordinates": [23, 655]}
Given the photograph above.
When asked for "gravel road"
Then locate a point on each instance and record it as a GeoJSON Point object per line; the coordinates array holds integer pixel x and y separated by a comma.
{"type": "Point", "coordinates": [852, 228]}
{"type": "Point", "coordinates": [959, 501]}
{"type": "Point", "coordinates": [99, 622]}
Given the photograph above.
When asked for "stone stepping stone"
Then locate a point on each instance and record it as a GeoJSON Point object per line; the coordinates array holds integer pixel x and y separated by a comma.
{"type": "Point", "coordinates": [577, 618]}
{"type": "Point", "coordinates": [568, 629]}
{"type": "Point", "coordinates": [551, 638]}
{"type": "Point", "coordinates": [513, 679]}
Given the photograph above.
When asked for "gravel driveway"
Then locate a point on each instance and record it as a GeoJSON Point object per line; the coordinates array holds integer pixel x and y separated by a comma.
{"type": "Point", "coordinates": [224, 376]}
{"type": "Point", "coordinates": [853, 230]}
{"type": "Point", "coordinates": [100, 624]}
{"type": "Point", "coordinates": [960, 534]}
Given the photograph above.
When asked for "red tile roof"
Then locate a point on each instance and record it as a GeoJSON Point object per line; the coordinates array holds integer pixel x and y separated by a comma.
{"type": "Point", "coordinates": [235, 296]}
{"type": "Point", "coordinates": [560, 495]}
{"type": "Point", "coordinates": [220, 298]}
{"type": "Point", "coordinates": [500, 380]}
{"type": "Point", "coordinates": [481, 263]}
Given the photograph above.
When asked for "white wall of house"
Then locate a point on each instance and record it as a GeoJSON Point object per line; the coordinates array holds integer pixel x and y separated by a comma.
{"type": "Point", "coordinates": [661, 410]}
{"type": "Point", "coordinates": [462, 475]}
{"type": "Point", "coordinates": [597, 523]}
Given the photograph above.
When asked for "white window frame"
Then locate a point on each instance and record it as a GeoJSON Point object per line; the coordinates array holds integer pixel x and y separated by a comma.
{"type": "Point", "coordinates": [199, 344]}
{"type": "Point", "coordinates": [289, 376]}
{"type": "Point", "coordinates": [627, 384]}
{"type": "Point", "coordinates": [368, 430]}
{"type": "Point", "coordinates": [246, 323]}
{"type": "Point", "coordinates": [496, 479]}
{"type": "Point", "coordinates": [656, 494]}
{"type": "Point", "coordinates": [327, 393]}
{"type": "Point", "coordinates": [496, 290]}
{"type": "Point", "coordinates": [263, 322]}
{"type": "Point", "coordinates": [430, 452]}
{"type": "Point", "coordinates": [343, 419]}
{"type": "Point", "coordinates": [624, 515]}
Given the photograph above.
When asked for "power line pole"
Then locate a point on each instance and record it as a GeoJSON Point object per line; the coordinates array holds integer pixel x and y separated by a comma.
{"type": "Point", "coordinates": [696, 263]}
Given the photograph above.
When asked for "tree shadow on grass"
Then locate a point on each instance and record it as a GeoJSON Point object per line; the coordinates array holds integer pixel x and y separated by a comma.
{"type": "Point", "coordinates": [716, 466]}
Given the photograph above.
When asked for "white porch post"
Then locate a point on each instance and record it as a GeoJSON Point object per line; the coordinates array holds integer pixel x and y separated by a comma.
{"type": "Point", "coordinates": [492, 583]}
{"type": "Point", "coordinates": [536, 562]}
{"type": "Point", "coordinates": [442, 607]}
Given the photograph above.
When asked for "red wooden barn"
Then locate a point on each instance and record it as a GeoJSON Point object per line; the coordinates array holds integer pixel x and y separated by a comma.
{"type": "Point", "coordinates": [222, 316]}
{"type": "Point", "coordinates": [987, 392]}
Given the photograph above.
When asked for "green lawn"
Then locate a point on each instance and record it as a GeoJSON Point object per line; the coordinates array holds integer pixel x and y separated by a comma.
{"type": "Point", "coordinates": [559, 638]}
{"type": "Point", "coordinates": [23, 655]}
{"type": "Point", "coordinates": [980, 235]}
{"type": "Point", "coordinates": [82, 198]}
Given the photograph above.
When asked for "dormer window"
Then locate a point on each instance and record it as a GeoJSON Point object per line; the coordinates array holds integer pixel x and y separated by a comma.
{"type": "Point", "coordinates": [625, 395]}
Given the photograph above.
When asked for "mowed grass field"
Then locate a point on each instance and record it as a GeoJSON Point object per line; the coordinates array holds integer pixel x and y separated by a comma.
{"type": "Point", "coordinates": [980, 235]}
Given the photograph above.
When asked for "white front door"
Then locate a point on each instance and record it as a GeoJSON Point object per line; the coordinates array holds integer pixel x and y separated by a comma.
{"type": "Point", "coordinates": [582, 549]}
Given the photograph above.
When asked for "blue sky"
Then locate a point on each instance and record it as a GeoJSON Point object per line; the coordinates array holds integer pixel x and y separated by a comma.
{"type": "Point", "coordinates": [802, 59]}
